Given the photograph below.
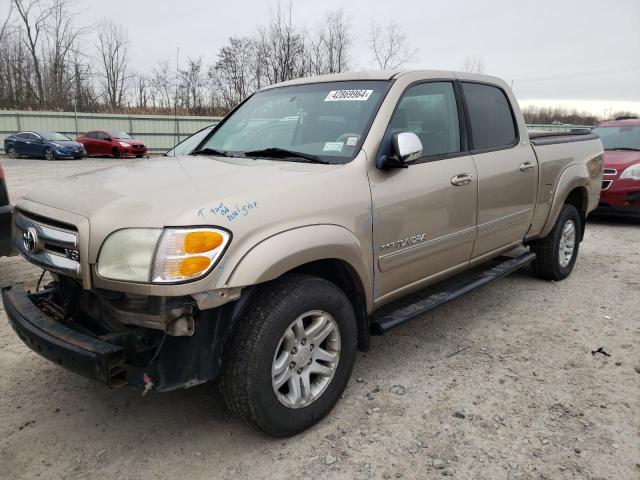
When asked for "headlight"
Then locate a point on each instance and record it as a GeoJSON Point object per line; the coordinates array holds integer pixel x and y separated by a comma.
{"type": "Point", "coordinates": [181, 254]}
{"type": "Point", "coordinates": [125, 144]}
{"type": "Point", "coordinates": [127, 254]}
{"type": "Point", "coordinates": [632, 172]}
{"type": "Point", "coordinates": [187, 253]}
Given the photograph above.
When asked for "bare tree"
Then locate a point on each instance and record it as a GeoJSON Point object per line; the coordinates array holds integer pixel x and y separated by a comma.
{"type": "Point", "coordinates": [282, 47]}
{"type": "Point", "coordinates": [234, 74]}
{"type": "Point", "coordinates": [191, 85]}
{"type": "Point", "coordinates": [329, 49]}
{"type": "Point", "coordinates": [33, 14]}
{"type": "Point", "coordinates": [473, 64]}
{"type": "Point", "coordinates": [60, 45]}
{"type": "Point", "coordinates": [390, 46]}
{"type": "Point", "coordinates": [161, 86]}
{"type": "Point", "coordinates": [113, 48]}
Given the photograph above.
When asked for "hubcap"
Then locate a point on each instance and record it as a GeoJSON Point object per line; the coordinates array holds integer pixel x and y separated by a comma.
{"type": "Point", "coordinates": [306, 359]}
{"type": "Point", "coordinates": [48, 154]}
{"type": "Point", "coordinates": [567, 243]}
{"type": "Point", "coordinates": [12, 153]}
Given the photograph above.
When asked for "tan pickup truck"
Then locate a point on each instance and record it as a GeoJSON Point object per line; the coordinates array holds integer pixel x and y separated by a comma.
{"type": "Point", "coordinates": [293, 232]}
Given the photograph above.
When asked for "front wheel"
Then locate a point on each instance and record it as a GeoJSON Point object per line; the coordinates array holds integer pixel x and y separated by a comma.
{"type": "Point", "coordinates": [556, 254]}
{"type": "Point", "coordinates": [116, 153]}
{"type": "Point", "coordinates": [11, 151]}
{"type": "Point", "coordinates": [48, 154]}
{"type": "Point", "coordinates": [291, 355]}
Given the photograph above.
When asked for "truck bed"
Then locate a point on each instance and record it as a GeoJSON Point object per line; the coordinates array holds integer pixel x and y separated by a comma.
{"type": "Point", "coordinates": [552, 138]}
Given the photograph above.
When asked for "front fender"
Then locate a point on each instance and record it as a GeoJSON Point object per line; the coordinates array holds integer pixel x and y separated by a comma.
{"type": "Point", "coordinates": [281, 253]}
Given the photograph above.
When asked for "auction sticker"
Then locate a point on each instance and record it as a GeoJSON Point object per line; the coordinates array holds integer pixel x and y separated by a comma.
{"type": "Point", "coordinates": [333, 147]}
{"type": "Point", "coordinates": [348, 95]}
{"type": "Point", "coordinates": [351, 141]}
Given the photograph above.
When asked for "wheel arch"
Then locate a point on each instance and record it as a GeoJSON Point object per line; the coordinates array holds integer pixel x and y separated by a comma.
{"type": "Point", "coordinates": [572, 188]}
{"type": "Point", "coordinates": [331, 252]}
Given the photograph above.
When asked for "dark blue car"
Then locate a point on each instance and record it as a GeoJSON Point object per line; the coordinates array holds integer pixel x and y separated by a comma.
{"type": "Point", "coordinates": [48, 145]}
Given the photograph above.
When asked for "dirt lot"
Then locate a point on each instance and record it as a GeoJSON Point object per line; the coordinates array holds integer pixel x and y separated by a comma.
{"type": "Point", "coordinates": [500, 384]}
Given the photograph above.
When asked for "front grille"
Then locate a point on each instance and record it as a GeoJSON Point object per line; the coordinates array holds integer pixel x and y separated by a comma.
{"type": "Point", "coordinates": [610, 171]}
{"type": "Point", "coordinates": [48, 244]}
{"type": "Point", "coordinates": [606, 184]}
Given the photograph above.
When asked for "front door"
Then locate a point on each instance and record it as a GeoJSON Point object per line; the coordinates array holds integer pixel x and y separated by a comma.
{"type": "Point", "coordinates": [424, 216]}
{"type": "Point", "coordinates": [507, 170]}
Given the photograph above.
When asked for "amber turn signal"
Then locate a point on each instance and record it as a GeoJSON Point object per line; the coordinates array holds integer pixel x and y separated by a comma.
{"type": "Point", "coordinates": [202, 241]}
{"type": "Point", "coordinates": [194, 265]}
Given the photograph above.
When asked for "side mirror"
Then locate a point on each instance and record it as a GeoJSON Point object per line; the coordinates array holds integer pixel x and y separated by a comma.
{"type": "Point", "coordinates": [407, 148]}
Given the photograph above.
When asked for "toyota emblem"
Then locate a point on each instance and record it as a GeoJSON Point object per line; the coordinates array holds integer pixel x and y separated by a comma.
{"type": "Point", "coordinates": [30, 240]}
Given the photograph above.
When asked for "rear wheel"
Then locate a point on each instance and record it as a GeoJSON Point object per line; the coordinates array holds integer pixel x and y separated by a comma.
{"type": "Point", "coordinates": [291, 355]}
{"type": "Point", "coordinates": [139, 156]}
{"type": "Point", "coordinates": [48, 154]}
{"type": "Point", "coordinates": [556, 254]}
{"type": "Point", "coordinates": [11, 151]}
{"type": "Point", "coordinates": [116, 153]}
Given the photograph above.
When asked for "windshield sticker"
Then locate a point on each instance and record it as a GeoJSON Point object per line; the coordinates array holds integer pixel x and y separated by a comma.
{"type": "Point", "coordinates": [351, 141]}
{"type": "Point", "coordinates": [348, 95]}
{"type": "Point", "coordinates": [333, 147]}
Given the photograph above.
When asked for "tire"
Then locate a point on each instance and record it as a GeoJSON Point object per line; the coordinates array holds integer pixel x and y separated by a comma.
{"type": "Point", "coordinates": [255, 348]}
{"type": "Point", "coordinates": [78, 158]}
{"type": "Point", "coordinates": [139, 156]}
{"type": "Point", "coordinates": [116, 153]}
{"type": "Point", "coordinates": [12, 153]}
{"type": "Point", "coordinates": [548, 263]}
{"type": "Point", "coordinates": [48, 154]}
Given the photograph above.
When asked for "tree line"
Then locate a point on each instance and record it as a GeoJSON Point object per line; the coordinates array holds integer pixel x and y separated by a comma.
{"type": "Point", "coordinates": [48, 61]}
{"type": "Point", "coordinates": [549, 115]}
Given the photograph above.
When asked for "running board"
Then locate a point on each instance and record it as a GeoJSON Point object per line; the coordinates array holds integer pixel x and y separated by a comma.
{"type": "Point", "coordinates": [398, 317]}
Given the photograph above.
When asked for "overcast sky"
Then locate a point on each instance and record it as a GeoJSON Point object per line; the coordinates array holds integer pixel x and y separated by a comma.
{"type": "Point", "coordinates": [584, 52]}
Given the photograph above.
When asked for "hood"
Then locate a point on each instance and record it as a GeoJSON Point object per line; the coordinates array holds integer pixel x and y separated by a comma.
{"type": "Point", "coordinates": [166, 191]}
{"type": "Point", "coordinates": [66, 143]}
{"type": "Point", "coordinates": [620, 159]}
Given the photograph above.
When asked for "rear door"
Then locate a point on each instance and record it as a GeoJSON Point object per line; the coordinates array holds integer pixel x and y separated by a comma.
{"type": "Point", "coordinates": [507, 169]}
{"type": "Point", "coordinates": [103, 143]}
{"type": "Point", "coordinates": [93, 143]}
{"type": "Point", "coordinates": [424, 216]}
{"type": "Point", "coordinates": [20, 143]}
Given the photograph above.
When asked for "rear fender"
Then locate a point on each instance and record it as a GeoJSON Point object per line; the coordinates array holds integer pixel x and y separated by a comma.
{"type": "Point", "coordinates": [575, 176]}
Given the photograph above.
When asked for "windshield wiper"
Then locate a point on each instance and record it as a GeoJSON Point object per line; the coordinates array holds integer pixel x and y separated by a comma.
{"type": "Point", "coordinates": [210, 151]}
{"type": "Point", "coordinates": [283, 153]}
{"type": "Point", "coordinates": [631, 149]}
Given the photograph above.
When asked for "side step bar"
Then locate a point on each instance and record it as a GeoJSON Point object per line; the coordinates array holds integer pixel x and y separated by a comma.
{"type": "Point", "coordinates": [398, 317]}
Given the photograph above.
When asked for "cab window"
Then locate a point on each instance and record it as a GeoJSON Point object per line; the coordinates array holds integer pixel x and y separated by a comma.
{"type": "Point", "coordinates": [430, 111]}
{"type": "Point", "coordinates": [490, 116]}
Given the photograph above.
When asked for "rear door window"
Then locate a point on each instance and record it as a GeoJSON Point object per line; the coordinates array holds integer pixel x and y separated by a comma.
{"type": "Point", "coordinates": [490, 115]}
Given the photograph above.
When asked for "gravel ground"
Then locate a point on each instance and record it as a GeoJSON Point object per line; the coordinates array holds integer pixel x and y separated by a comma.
{"type": "Point", "coordinates": [501, 384]}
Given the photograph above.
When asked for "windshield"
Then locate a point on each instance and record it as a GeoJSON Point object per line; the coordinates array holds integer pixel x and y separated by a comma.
{"type": "Point", "coordinates": [324, 120]}
{"type": "Point", "coordinates": [53, 136]}
{"type": "Point", "coordinates": [189, 144]}
{"type": "Point", "coordinates": [620, 137]}
{"type": "Point", "coordinates": [119, 135]}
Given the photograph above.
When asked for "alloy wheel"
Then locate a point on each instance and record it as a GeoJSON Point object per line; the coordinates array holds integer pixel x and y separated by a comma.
{"type": "Point", "coordinates": [305, 359]}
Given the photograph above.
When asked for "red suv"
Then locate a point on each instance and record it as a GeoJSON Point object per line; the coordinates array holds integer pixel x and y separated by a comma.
{"type": "Point", "coordinates": [621, 177]}
{"type": "Point", "coordinates": [118, 144]}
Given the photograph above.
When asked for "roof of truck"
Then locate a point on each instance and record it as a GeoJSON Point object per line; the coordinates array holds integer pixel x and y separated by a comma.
{"type": "Point", "coordinates": [384, 75]}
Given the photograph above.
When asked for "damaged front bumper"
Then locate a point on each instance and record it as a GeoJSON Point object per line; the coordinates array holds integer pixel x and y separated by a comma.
{"type": "Point", "coordinates": [114, 353]}
{"type": "Point", "coordinates": [60, 344]}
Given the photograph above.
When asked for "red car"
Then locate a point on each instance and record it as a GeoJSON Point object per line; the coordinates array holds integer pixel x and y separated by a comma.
{"type": "Point", "coordinates": [621, 178]}
{"type": "Point", "coordinates": [117, 144]}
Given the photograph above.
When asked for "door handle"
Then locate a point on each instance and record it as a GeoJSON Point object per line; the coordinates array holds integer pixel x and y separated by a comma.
{"type": "Point", "coordinates": [528, 165]}
{"type": "Point", "coordinates": [462, 179]}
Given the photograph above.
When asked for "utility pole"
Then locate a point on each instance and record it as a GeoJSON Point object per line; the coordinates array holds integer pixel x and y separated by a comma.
{"type": "Point", "coordinates": [176, 135]}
